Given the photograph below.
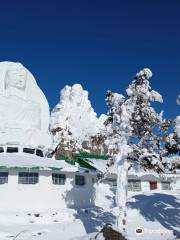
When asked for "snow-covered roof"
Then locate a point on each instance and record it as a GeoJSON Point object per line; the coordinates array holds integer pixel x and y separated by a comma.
{"type": "Point", "coordinates": [99, 164]}
{"type": "Point", "coordinates": [150, 177]}
{"type": "Point", "coordinates": [17, 160]}
{"type": "Point", "coordinates": [135, 172]}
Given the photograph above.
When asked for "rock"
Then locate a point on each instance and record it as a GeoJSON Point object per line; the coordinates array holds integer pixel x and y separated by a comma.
{"type": "Point", "coordinates": [37, 215]}
{"type": "Point", "coordinates": [110, 234]}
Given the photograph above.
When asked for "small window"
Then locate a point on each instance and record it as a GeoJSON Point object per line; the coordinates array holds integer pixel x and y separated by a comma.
{"type": "Point", "coordinates": [28, 150]}
{"type": "Point", "coordinates": [39, 153]}
{"type": "Point", "coordinates": [12, 149]}
{"type": "Point", "coordinates": [58, 179]}
{"type": "Point", "coordinates": [1, 149]}
{"type": "Point", "coordinates": [134, 185]}
{"type": "Point", "coordinates": [166, 185]}
{"type": "Point", "coordinates": [28, 178]}
{"type": "Point", "coordinates": [79, 180]}
{"type": "Point", "coordinates": [94, 180]}
{"type": "Point", "coordinates": [3, 177]}
{"type": "Point", "coordinates": [100, 176]}
{"type": "Point", "coordinates": [153, 185]}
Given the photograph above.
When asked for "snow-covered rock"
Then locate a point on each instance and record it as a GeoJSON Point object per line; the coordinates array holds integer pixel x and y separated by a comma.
{"type": "Point", "coordinates": [24, 110]}
{"type": "Point", "coordinates": [73, 118]}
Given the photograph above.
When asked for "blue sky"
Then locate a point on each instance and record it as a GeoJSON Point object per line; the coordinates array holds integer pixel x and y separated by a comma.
{"type": "Point", "coordinates": [99, 44]}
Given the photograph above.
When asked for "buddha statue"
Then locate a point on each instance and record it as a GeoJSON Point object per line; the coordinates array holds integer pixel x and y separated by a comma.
{"type": "Point", "coordinates": [24, 111]}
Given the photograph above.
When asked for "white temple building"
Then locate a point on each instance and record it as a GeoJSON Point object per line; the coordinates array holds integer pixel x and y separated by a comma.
{"type": "Point", "coordinates": [28, 178]}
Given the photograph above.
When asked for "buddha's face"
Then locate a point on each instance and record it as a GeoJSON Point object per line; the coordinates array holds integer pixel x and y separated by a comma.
{"type": "Point", "coordinates": [16, 77]}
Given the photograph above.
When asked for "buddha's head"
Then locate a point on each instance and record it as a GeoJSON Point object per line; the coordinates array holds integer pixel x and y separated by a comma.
{"type": "Point", "coordinates": [16, 77]}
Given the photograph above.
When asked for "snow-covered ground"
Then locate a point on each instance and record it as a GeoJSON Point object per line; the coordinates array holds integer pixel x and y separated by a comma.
{"type": "Point", "coordinates": [156, 213]}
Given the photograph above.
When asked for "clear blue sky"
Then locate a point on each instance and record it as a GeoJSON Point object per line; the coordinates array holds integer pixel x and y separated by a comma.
{"type": "Point", "coordinates": [99, 44]}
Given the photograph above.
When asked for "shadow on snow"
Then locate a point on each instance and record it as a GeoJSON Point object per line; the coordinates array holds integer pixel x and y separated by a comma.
{"type": "Point", "coordinates": [95, 218]}
{"type": "Point", "coordinates": [92, 217]}
{"type": "Point", "coordinates": [159, 207]}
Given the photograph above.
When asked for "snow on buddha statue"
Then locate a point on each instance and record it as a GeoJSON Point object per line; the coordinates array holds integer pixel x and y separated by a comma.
{"type": "Point", "coordinates": [24, 111]}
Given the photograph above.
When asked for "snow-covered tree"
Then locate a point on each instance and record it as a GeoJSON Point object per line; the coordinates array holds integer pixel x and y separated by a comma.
{"type": "Point", "coordinates": [130, 124]}
{"type": "Point", "coordinates": [172, 141]}
{"type": "Point", "coordinates": [73, 120]}
{"type": "Point", "coordinates": [177, 125]}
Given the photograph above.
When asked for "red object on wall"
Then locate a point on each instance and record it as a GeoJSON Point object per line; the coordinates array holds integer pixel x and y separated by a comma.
{"type": "Point", "coordinates": [153, 185]}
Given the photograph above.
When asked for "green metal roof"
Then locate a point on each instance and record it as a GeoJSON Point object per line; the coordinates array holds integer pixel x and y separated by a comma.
{"type": "Point", "coordinates": [82, 159]}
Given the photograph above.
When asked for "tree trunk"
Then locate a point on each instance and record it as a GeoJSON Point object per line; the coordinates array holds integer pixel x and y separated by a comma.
{"type": "Point", "coordinates": [121, 194]}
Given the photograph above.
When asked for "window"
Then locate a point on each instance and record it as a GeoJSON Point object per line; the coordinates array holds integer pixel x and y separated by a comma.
{"type": "Point", "coordinates": [12, 149]}
{"type": "Point", "coordinates": [153, 185]}
{"type": "Point", "coordinates": [58, 179]}
{"type": "Point", "coordinates": [1, 149]}
{"type": "Point", "coordinates": [94, 180]}
{"type": "Point", "coordinates": [28, 178]}
{"type": "Point", "coordinates": [39, 153]}
{"type": "Point", "coordinates": [28, 150]}
{"type": "Point", "coordinates": [3, 177]}
{"type": "Point", "coordinates": [166, 185]}
{"type": "Point", "coordinates": [134, 185]}
{"type": "Point", "coordinates": [79, 180]}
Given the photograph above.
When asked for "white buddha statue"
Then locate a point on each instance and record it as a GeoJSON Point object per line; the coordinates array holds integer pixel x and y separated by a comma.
{"type": "Point", "coordinates": [24, 111]}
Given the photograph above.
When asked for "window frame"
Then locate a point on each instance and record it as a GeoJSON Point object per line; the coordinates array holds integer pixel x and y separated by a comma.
{"type": "Point", "coordinates": [29, 150]}
{"type": "Point", "coordinates": [94, 180]}
{"type": "Point", "coordinates": [58, 178]}
{"type": "Point", "coordinates": [12, 150]}
{"type": "Point", "coordinates": [4, 179]}
{"type": "Point", "coordinates": [134, 185]}
{"type": "Point", "coordinates": [77, 178]}
{"type": "Point", "coordinates": [29, 178]}
{"type": "Point", "coordinates": [166, 183]}
{"type": "Point", "coordinates": [1, 149]}
{"type": "Point", "coordinates": [39, 153]}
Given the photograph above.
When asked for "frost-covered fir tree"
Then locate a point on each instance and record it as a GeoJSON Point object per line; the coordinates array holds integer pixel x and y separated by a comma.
{"type": "Point", "coordinates": [130, 124]}
{"type": "Point", "coordinates": [174, 138]}
{"type": "Point", "coordinates": [177, 126]}
{"type": "Point", "coordinates": [177, 137]}
{"type": "Point", "coordinates": [172, 143]}
{"type": "Point", "coordinates": [73, 120]}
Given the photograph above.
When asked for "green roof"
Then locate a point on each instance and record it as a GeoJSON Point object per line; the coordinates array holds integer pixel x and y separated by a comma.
{"type": "Point", "coordinates": [82, 159]}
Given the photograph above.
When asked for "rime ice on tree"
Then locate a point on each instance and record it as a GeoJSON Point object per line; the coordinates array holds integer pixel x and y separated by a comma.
{"type": "Point", "coordinates": [73, 119]}
{"type": "Point", "coordinates": [132, 116]}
